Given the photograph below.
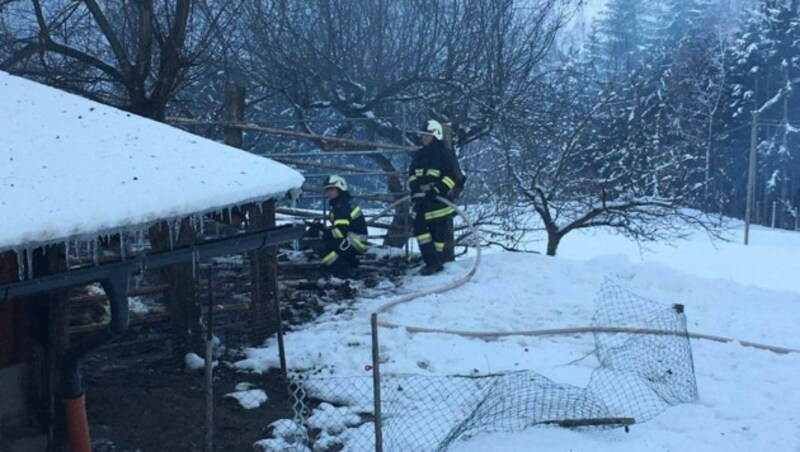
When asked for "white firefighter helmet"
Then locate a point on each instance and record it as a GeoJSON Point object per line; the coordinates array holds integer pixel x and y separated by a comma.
{"type": "Point", "coordinates": [434, 128]}
{"type": "Point", "coordinates": [335, 181]}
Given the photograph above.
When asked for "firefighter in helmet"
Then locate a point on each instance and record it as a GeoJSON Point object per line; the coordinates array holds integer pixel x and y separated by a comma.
{"type": "Point", "coordinates": [346, 239]}
{"type": "Point", "coordinates": [431, 175]}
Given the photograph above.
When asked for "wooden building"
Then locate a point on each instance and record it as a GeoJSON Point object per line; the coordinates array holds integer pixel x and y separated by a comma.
{"type": "Point", "coordinates": [78, 175]}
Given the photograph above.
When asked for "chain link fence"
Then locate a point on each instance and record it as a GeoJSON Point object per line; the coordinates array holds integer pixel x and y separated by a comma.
{"type": "Point", "coordinates": [645, 367]}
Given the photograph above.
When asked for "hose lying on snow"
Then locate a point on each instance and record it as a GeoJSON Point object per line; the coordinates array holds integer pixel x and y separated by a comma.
{"type": "Point", "coordinates": [453, 284]}
{"type": "Point", "coordinates": [546, 332]}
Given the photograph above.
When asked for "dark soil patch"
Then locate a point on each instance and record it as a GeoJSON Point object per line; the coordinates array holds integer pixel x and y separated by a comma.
{"type": "Point", "coordinates": [141, 398]}
{"type": "Point", "coordinates": [159, 406]}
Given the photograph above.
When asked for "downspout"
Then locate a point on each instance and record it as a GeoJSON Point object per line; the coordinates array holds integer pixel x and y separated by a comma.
{"type": "Point", "coordinates": [74, 397]}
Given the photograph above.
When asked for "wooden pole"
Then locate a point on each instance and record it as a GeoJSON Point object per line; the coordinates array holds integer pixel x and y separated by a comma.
{"type": "Point", "coordinates": [209, 369]}
{"type": "Point", "coordinates": [376, 383]}
{"type": "Point", "coordinates": [751, 177]}
{"type": "Point", "coordinates": [272, 287]}
{"type": "Point", "coordinates": [260, 217]}
{"type": "Point", "coordinates": [234, 112]}
{"type": "Point", "coordinates": [263, 273]}
{"type": "Point", "coordinates": [321, 139]}
{"type": "Point", "coordinates": [449, 252]}
{"type": "Point", "coordinates": [50, 328]}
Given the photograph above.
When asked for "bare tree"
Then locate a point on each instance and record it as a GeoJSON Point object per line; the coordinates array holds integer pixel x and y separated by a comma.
{"type": "Point", "coordinates": [132, 54]}
{"type": "Point", "coordinates": [461, 61]}
{"type": "Point", "coordinates": [465, 61]}
{"type": "Point", "coordinates": [576, 178]}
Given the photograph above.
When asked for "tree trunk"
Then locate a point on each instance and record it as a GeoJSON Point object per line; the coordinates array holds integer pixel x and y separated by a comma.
{"type": "Point", "coordinates": [398, 231]}
{"type": "Point", "coordinates": [553, 239]}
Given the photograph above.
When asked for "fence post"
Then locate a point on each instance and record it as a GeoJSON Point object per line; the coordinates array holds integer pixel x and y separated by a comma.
{"type": "Point", "coordinates": [449, 252]}
{"type": "Point", "coordinates": [234, 112]}
{"type": "Point", "coordinates": [376, 384]}
{"type": "Point", "coordinates": [209, 369]}
{"type": "Point", "coordinates": [774, 207]}
{"type": "Point", "coordinates": [751, 176]}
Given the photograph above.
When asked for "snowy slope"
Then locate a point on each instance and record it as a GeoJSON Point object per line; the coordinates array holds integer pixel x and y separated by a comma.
{"type": "Point", "coordinates": [748, 398]}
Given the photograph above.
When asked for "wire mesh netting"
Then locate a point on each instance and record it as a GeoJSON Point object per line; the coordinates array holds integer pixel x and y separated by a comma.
{"type": "Point", "coordinates": [650, 355]}
{"type": "Point", "coordinates": [645, 366]}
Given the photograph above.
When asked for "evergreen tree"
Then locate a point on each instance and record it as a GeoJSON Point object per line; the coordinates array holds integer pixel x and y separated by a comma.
{"type": "Point", "coordinates": [765, 66]}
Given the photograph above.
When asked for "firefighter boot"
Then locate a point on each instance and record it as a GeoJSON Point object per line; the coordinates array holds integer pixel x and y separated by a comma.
{"type": "Point", "coordinates": [341, 269]}
{"type": "Point", "coordinates": [431, 257]}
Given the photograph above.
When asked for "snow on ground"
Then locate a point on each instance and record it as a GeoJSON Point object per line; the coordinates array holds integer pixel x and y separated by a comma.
{"type": "Point", "coordinates": [748, 398]}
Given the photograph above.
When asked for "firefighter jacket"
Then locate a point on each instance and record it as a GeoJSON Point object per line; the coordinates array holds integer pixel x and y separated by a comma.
{"type": "Point", "coordinates": [348, 223]}
{"type": "Point", "coordinates": [432, 170]}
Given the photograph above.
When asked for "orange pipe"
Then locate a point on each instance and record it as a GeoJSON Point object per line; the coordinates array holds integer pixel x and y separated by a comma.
{"type": "Point", "coordinates": [78, 438]}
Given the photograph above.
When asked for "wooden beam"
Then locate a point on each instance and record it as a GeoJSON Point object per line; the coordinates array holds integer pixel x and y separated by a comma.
{"type": "Point", "coordinates": [322, 139]}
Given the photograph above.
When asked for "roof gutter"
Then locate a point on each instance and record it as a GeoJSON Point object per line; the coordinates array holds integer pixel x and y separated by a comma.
{"type": "Point", "coordinates": [203, 251]}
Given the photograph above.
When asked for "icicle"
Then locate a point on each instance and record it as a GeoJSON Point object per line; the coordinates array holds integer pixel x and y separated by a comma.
{"type": "Point", "coordinates": [195, 261]}
{"type": "Point", "coordinates": [29, 260]}
{"type": "Point", "coordinates": [95, 251]}
{"type": "Point", "coordinates": [171, 238]}
{"type": "Point", "coordinates": [104, 245]}
{"type": "Point", "coordinates": [177, 230]}
{"type": "Point", "coordinates": [76, 248]}
{"type": "Point", "coordinates": [66, 252]}
{"type": "Point", "coordinates": [139, 237]}
{"type": "Point", "coordinates": [122, 252]}
{"type": "Point", "coordinates": [20, 264]}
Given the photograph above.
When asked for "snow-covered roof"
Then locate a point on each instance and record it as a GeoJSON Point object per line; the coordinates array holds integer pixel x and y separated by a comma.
{"type": "Point", "coordinates": [71, 168]}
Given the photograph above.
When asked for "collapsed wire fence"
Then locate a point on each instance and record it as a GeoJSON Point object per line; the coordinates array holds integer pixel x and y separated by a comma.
{"type": "Point", "coordinates": [645, 365]}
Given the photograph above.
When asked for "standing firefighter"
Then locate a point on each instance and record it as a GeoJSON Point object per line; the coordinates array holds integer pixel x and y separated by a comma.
{"type": "Point", "coordinates": [431, 174]}
{"type": "Point", "coordinates": [346, 239]}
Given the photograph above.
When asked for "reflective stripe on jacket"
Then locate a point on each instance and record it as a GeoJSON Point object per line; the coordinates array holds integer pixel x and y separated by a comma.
{"type": "Point", "coordinates": [432, 169]}
{"type": "Point", "coordinates": [348, 222]}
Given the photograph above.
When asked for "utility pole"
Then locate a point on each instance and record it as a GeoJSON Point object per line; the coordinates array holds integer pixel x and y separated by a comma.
{"type": "Point", "coordinates": [751, 177]}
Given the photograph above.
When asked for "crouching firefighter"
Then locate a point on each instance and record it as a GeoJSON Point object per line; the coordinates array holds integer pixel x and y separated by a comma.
{"type": "Point", "coordinates": [431, 174]}
{"type": "Point", "coordinates": [346, 239]}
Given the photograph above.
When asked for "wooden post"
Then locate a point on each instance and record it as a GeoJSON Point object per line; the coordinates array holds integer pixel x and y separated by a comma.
{"type": "Point", "coordinates": [376, 384]}
{"type": "Point", "coordinates": [263, 274]}
{"type": "Point", "coordinates": [448, 253]}
{"type": "Point", "coordinates": [50, 330]}
{"type": "Point", "coordinates": [263, 263]}
{"type": "Point", "coordinates": [751, 177]}
{"type": "Point", "coordinates": [234, 112]}
{"type": "Point", "coordinates": [14, 341]}
{"type": "Point", "coordinates": [209, 364]}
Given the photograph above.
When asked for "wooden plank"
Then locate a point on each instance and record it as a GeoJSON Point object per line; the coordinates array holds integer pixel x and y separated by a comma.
{"type": "Point", "coordinates": [587, 422]}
